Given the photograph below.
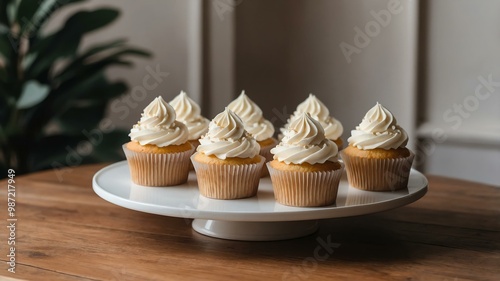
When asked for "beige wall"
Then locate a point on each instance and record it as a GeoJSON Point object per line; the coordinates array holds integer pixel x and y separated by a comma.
{"type": "Point", "coordinates": [281, 50]}
{"type": "Point", "coordinates": [160, 26]}
{"type": "Point", "coordinates": [278, 51]}
{"type": "Point", "coordinates": [288, 49]}
{"type": "Point", "coordinates": [463, 43]}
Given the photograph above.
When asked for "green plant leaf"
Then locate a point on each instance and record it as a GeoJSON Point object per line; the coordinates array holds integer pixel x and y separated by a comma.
{"type": "Point", "coordinates": [52, 50]}
{"type": "Point", "coordinates": [3, 12]}
{"type": "Point", "coordinates": [107, 92]}
{"type": "Point", "coordinates": [3, 75]}
{"type": "Point", "coordinates": [28, 60]}
{"type": "Point", "coordinates": [79, 61]}
{"type": "Point", "coordinates": [4, 169]}
{"type": "Point", "coordinates": [103, 90]}
{"type": "Point", "coordinates": [110, 148]}
{"type": "Point", "coordinates": [43, 43]}
{"type": "Point", "coordinates": [59, 100]}
{"type": "Point", "coordinates": [25, 12]}
{"type": "Point", "coordinates": [5, 46]}
{"type": "Point", "coordinates": [76, 97]}
{"type": "Point", "coordinates": [71, 120]}
{"type": "Point", "coordinates": [32, 94]}
{"type": "Point", "coordinates": [97, 48]}
{"type": "Point", "coordinates": [87, 21]}
{"type": "Point", "coordinates": [73, 90]}
{"type": "Point", "coordinates": [59, 151]}
{"type": "Point", "coordinates": [78, 66]}
{"type": "Point", "coordinates": [123, 52]}
{"type": "Point", "coordinates": [5, 54]}
{"type": "Point", "coordinates": [71, 34]}
{"type": "Point", "coordinates": [46, 9]}
{"type": "Point", "coordinates": [56, 151]}
{"type": "Point", "coordinates": [10, 10]}
{"type": "Point", "coordinates": [31, 15]}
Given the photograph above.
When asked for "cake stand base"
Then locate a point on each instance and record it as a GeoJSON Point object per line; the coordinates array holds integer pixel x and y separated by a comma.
{"type": "Point", "coordinates": [254, 231]}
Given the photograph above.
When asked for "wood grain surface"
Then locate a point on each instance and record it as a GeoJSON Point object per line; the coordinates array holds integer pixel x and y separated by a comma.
{"type": "Point", "coordinates": [66, 232]}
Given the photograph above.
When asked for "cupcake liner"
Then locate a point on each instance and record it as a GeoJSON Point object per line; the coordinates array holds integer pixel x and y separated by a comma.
{"type": "Point", "coordinates": [228, 181]}
{"type": "Point", "coordinates": [305, 189]}
{"type": "Point", "coordinates": [265, 151]}
{"type": "Point", "coordinates": [195, 144]}
{"type": "Point", "coordinates": [378, 174]}
{"type": "Point", "coordinates": [154, 169]}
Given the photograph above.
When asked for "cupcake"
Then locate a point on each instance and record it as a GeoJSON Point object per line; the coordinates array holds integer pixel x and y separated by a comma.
{"type": "Point", "coordinates": [377, 158]}
{"type": "Point", "coordinates": [158, 153]}
{"type": "Point", "coordinates": [189, 113]}
{"type": "Point", "coordinates": [305, 171]}
{"type": "Point", "coordinates": [255, 124]}
{"type": "Point", "coordinates": [227, 161]}
{"type": "Point", "coordinates": [312, 105]}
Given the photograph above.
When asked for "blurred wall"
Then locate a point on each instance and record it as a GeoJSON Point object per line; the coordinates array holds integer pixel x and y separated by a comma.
{"type": "Point", "coordinates": [460, 112]}
{"type": "Point", "coordinates": [336, 50]}
{"type": "Point", "coordinates": [279, 51]}
{"type": "Point", "coordinates": [164, 27]}
{"type": "Point", "coordinates": [351, 54]}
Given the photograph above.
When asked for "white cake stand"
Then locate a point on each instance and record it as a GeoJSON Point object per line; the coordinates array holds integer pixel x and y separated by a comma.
{"type": "Point", "coordinates": [259, 218]}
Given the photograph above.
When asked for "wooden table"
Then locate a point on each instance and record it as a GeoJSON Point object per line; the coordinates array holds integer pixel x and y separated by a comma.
{"type": "Point", "coordinates": [64, 231]}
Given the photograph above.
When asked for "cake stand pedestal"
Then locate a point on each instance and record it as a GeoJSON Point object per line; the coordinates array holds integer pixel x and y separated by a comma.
{"type": "Point", "coordinates": [255, 231]}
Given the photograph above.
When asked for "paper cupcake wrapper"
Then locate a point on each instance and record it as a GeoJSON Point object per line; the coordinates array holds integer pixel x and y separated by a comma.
{"type": "Point", "coordinates": [154, 169]}
{"type": "Point", "coordinates": [228, 181]}
{"type": "Point", "coordinates": [266, 153]}
{"type": "Point", "coordinates": [195, 144]}
{"type": "Point", "coordinates": [378, 174]}
{"type": "Point", "coordinates": [305, 189]}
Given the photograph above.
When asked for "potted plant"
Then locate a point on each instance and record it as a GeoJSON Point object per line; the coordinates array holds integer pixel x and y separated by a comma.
{"type": "Point", "coordinates": [53, 95]}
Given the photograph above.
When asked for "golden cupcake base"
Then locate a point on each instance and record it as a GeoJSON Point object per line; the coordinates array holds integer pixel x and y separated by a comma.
{"type": "Point", "coordinates": [305, 186]}
{"type": "Point", "coordinates": [232, 178]}
{"type": "Point", "coordinates": [153, 166]}
{"type": "Point", "coordinates": [377, 169]}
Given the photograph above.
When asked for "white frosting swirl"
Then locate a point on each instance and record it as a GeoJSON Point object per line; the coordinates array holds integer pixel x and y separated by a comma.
{"type": "Point", "coordinates": [158, 126]}
{"type": "Point", "coordinates": [252, 117]}
{"type": "Point", "coordinates": [304, 142]}
{"type": "Point", "coordinates": [333, 128]}
{"type": "Point", "coordinates": [189, 113]}
{"type": "Point", "coordinates": [318, 110]}
{"type": "Point", "coordinates": [314, 107]}
{"type": "Point", "coordinates": [227, 137]}
{"type": "Point", "coordinates": [378, 129]}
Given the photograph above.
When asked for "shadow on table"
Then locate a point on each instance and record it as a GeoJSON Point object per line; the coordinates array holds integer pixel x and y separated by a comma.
{"type": "Point", "coordinates": [368, 238]}
{"type": "Point", "coordinates": [385, 239]}
{"type": "Point", "coordinates": [336, 239]}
